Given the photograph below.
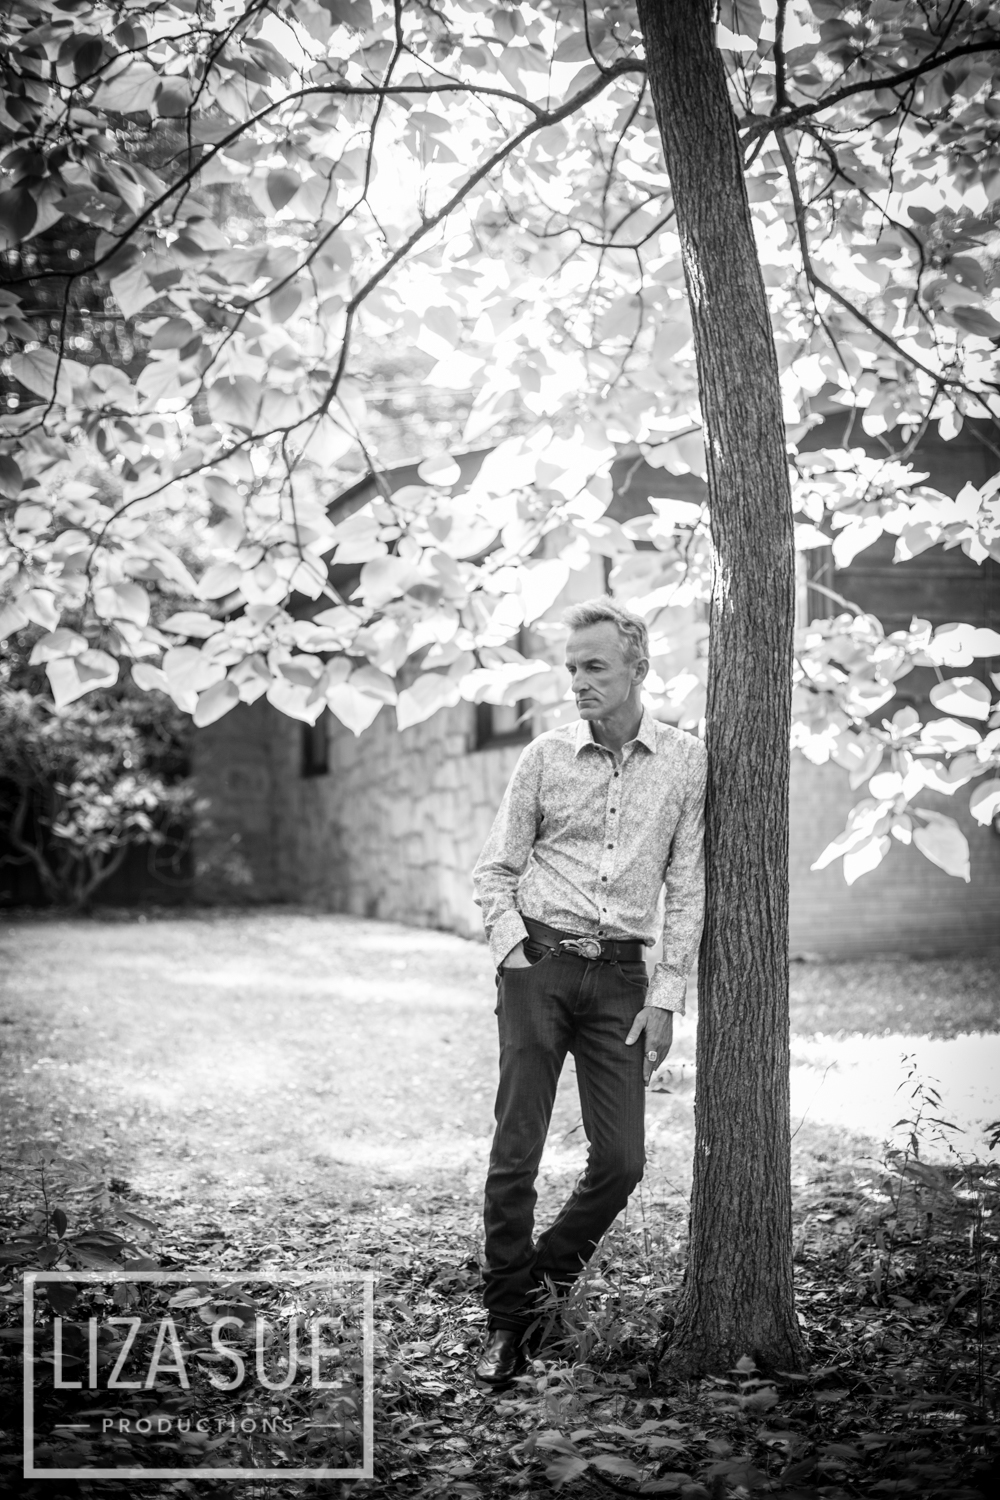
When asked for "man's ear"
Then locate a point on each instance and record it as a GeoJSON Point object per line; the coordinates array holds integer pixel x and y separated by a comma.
{"type": "Point", "coordinates": [640, 669]}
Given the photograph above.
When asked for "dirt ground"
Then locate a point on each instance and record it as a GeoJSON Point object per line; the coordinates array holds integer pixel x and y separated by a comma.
{"type": "Point", "coordinates": [279, 1053]}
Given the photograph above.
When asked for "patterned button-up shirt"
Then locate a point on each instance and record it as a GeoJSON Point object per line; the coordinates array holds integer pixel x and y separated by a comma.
{"type": "Point", "coordinates": [602, 848]}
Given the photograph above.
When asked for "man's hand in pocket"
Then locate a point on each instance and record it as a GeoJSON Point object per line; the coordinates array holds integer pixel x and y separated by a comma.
{"type": "Point", "coordinates": [515, 958]}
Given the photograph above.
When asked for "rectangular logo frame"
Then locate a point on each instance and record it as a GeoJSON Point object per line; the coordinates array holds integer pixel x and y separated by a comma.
{"type": "Point", "coordinates": [181, 1278]}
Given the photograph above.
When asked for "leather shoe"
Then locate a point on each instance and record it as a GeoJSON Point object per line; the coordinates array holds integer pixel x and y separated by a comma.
{"type": "Point", "coordinates": [503, 1358]}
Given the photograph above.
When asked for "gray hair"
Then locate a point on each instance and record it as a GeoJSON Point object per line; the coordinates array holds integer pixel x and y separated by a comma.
{"type": "Point", "coordinates": [632, 631]}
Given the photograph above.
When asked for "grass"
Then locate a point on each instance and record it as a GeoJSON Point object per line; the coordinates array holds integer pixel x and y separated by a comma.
{"type": "Point", "coordinates": [215, 1053]}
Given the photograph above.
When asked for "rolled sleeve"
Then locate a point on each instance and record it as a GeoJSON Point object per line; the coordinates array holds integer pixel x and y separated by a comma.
{"type": "Point", "coordinates": [505, 856]}
{"type": "Point", "coordinates": [684, 894]}
{"type": "Point", "coordinates": [508, 931]}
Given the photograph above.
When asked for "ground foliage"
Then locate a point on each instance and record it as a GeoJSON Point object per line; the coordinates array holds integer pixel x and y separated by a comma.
{"type": "Point", "coordinates": [896, 1289]}
{"type": "Point", "coordinates": [213, 214]}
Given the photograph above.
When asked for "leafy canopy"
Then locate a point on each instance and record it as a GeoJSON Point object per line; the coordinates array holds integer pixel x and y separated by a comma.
{"type": "Point", "coordinates": [255, 251]}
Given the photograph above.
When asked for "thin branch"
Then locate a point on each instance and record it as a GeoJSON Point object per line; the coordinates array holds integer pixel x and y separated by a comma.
{"type": "Point", "coordinates": [755, 126]}
{"type": "Point", "coordinates": [817, 281]}
{"type": "Point", "coordinates": [780, 85]}
{"type": "Point", "coordinates": [542, 119]}
{"type": "Point", "coordinates": [541, 122]}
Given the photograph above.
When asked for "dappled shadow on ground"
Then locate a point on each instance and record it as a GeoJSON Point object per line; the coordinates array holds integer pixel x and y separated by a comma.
{"type": "Point", "coordinates": [277, 1089]}
{"type": "Point", "coordinates": [212, 1054]}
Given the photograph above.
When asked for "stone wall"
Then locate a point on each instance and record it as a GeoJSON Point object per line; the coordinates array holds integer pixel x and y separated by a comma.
{"type": "Point", "coordinates": [394, 828]}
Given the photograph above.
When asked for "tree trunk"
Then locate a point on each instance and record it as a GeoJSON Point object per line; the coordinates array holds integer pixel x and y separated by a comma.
{"type": "Point", "coordinates": [738, 1295]}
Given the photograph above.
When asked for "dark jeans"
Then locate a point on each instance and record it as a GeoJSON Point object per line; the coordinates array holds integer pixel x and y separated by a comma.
{"type": "Point", "coordinates": [562, 1003]}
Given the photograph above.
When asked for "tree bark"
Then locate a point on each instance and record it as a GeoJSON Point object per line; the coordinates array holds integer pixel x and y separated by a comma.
{"type": "Point", "coordinates": [738, 1294]}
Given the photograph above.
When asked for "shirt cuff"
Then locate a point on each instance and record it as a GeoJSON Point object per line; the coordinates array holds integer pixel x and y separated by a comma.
{"type": "Point", "coordinates": [505, 934]}
{"type": "Point", "coordinates": [667, 991]}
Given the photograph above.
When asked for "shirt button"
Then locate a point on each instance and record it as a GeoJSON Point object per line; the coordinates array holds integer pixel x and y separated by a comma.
{"type": "Point", "coordinates": [614, 809]}
{"type": "Point", "coordinates": [605, 879]}
{"type": "Point", "coordinates": [616, 775]}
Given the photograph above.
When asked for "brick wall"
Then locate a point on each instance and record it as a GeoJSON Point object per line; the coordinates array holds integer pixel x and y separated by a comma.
{"type": "Point", "coordinates": [907, 904]}
{"type": "Point", "coordinates": [394, 829]}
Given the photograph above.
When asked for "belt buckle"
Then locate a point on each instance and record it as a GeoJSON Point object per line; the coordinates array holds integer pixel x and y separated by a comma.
{"type": "Point", "coordinates": [589, 948]}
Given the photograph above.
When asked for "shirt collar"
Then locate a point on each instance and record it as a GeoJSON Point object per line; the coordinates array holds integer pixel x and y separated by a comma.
{"type": "Point", "coordinates": [645, 735]}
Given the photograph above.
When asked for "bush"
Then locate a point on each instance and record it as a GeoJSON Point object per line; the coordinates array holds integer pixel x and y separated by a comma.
{"type": "Point", "coordinates": [82, 784]}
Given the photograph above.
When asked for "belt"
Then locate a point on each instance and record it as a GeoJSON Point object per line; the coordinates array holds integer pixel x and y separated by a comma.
{"type": "Point", "coordinates": [603, 950]}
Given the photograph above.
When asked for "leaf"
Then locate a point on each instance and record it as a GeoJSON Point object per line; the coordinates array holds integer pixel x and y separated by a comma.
{"type": "Point", "coordinates": [441, 470]}
{"type": "Point", "coordinates": [173, 98]}
{"type": "Point", "coordinates": [541, 584]}
{"type": "Point", "coordinates": [295, 699]}
{"type": "Point", "coordinates": [943, 843]}
{"type": "Point", "coordinates": [949, 734]}
{"type": "Point", "coordinates": [161, 378]}
{"type": "Point", "coordinates": [18, 213]}
{"type": "Point", "coordinates": [214, 702]}
{"type": "Point", "coordinates": [132, 291]}
{"type": "Point", "coordinates": [11, 478]}
{"type": "Point", "coordinates": [385, 578]}
{"type": "Point", "coordinates": [131, 90]}
{"type": "Point", "coordinates": [59, 1221]}
{"type": "Point", "coordinates": [91, 207]}
{"type": "Point", "coordinates": [609, 1463]}
{"type": "Point", "coordinates": [71, 677]}
{"type": "Point", "coordinates": [12, 618]}
{"type": "Point", "coordinates": [97, 668]}
{"type": "Point", "coordinates": [984, 641]}
{"type": "Point", "coordinates": [976, 320]}
{"type": "Point", "coordinates": [220, 579]}
{"type": "Point", "coordinates": [188, 673]}
{"type": "Point", "coordinates": [87, 54]}
{"type": "Point", "coordinates": [282, 185]}
{"type": "Point", "coordinates": [172, 334]}
{"type": "Point", "coordinates": [62, 1295]}
{"type": "Point", "coordinates": [57, 643]}
{"type": "Point", "coordinates": [235, 400]}
{"type": "Point", "coordinates": [148, 677]}
{"type": "Point", "coordinates": [865, 857]}
{"type": "Point", "coordinates": [192, 622]}
{"type": "Point", "coordinates": [564, 1467]}
{"type": "Point", "coordinates": [39, 370]}
{"type": "Point", "coordinates": [123, 601]}
{"type": "Point", "coordinates": [40, 607]}
{"type": "Point", "coordinates": [859, 755]}
{"type": "Point", "coordinates": [984, 804]}
{"type": "Point", "coordinates": [355, 709]}
{"type": "Point", "coordinates": [375, 683]}
{"type": "Point", "coordinates": [854, 538]}
{"type": "Point", "coordinates": [962, 695]}
{"type": "Point", "coordinates": [429, 693]}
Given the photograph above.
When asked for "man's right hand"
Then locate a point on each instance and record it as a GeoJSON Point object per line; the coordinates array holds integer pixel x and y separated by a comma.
{"type": "Point", "coordinates": [515, 958]}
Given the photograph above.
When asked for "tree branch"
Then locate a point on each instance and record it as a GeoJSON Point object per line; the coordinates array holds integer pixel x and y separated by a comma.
{"type": "Point", "coordinates": [780, 87]}
{"type": "Point", "coordinates": [940, 380]}
{"type": "Point", "coordinates": [755, 126]}
{"type": "Point", "coordinates": [542, 121]}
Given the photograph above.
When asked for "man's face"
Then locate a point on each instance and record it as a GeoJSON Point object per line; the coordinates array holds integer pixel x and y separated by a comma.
{"type": "Point", "coordinates": [601, 677]}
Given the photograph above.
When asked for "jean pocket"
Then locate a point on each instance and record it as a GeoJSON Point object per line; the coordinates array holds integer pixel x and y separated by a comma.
{"type": "Point", "coordinates": [634, 974]}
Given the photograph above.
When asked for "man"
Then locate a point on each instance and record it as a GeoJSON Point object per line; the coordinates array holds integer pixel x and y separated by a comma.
{"type": "Point", "coordinates": [599, 817]}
